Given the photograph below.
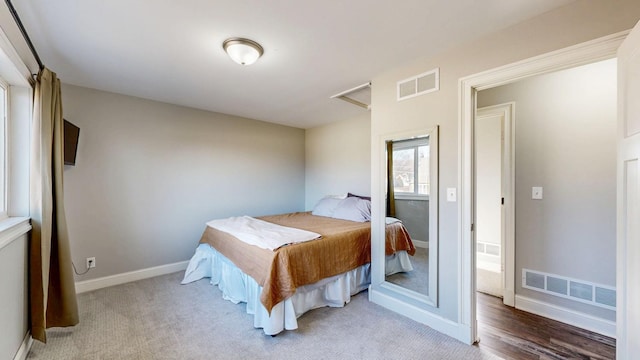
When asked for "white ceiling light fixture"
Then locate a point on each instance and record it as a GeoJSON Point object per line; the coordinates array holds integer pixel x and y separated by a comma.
{"type": "Point", "coordinates": [243, 51]}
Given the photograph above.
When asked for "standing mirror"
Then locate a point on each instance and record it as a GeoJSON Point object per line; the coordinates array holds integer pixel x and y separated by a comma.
{"type": "Point", "coordinates": [409, 190]}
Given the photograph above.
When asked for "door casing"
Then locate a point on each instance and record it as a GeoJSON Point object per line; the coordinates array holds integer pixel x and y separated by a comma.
{"type": "Point", "coordinates": [581, 54]}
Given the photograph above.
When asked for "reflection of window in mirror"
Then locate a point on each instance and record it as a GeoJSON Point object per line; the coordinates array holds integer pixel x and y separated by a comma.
{"type": "Point", "coordinates": [411, 167]}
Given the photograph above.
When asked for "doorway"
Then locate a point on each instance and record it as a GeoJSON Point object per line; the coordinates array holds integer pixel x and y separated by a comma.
{"type": "Point", "coordinates": [599, 49]}
{"type": "Point", "coordinates": [494, 174]}
{"type": "Point", "coordinates": [565, 189]}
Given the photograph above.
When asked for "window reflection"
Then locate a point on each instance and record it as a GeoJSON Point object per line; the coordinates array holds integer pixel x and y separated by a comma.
{"type": "Point", "coordinates": [411, 167]}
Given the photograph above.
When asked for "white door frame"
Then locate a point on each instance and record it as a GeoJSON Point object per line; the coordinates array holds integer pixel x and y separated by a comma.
{"type": "Point", "coordinates": [628, 199]}
{"type": "Point", "coordinates": [592, 51]}
{"type": "Point", "coordinates": [508, 217]}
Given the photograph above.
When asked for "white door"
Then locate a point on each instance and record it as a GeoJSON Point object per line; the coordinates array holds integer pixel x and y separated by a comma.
{"type": "Point", "coordinates": [628, 226]}
{"type": "Point", "coordinates": [488, 140]}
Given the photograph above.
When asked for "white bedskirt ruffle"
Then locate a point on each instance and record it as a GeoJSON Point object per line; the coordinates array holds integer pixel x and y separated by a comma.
{"type": "Point", "coordinates": [236, 286]}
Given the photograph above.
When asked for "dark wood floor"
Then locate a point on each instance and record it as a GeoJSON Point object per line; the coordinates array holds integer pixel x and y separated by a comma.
{"type": "Point", "coordinates": [515, 334]}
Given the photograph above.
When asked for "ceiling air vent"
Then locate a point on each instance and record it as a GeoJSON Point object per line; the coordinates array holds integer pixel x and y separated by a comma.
{"type": "Point", "coordinates": [359, 96]}
{"type": "Point", "coordinates": [419, 85]}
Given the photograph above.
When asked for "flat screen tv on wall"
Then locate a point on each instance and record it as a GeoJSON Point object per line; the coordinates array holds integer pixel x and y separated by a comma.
{"type": "Point", "coordinates": [71, 134]}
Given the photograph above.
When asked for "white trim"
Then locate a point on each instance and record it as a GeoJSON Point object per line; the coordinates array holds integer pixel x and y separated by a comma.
{"type": "Point", "coordinates": [580, 54]}
{"type": "Point", "coordinates": [489, 266]}
{"type": "Point", "coordinates": [416, 312]}
{"type": "Point", "coordinates": [628, 202]}
{"type": "Point", "coordinates": [410, 196]}
{"type": "Point", "coordinates": [354, 89]}
{"type": "Point", "coordinates": [25, 347]}
{"type": "Point", "coordinates": [4, 150]}
{"type": "Point", "coordinates": [12, 228]}
{"type": "Point", "coordinates": [567, 316]}
{"type": "Point", "coordinates": [103, 282]}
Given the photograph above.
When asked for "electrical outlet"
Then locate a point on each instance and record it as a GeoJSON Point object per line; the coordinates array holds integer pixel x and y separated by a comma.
{"type": "Point", "coordinates": [91, 262]}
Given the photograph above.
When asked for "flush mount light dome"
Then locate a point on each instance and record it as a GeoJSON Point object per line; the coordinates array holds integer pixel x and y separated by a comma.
{"type": "Point", "coordinates": [243, 51]}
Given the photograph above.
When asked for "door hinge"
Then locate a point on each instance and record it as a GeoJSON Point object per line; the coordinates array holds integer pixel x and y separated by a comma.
{"type": "Point", "coordinates": [471, 227]}
{"type": "Point", "coordinates": [502, 201]}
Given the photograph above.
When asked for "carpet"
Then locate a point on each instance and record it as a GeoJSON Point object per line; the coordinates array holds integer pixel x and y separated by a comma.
{"type": "Point", "coordinates": [418, 279]}
{"type": "Point", "coordinates": [158, 318]}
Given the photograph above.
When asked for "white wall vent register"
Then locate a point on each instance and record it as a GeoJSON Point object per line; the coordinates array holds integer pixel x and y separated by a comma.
{"type": "Point", "coordinates": [579, 290]}
{"type": "Point", "coordinates": [488, 248]}
{"type": "Point", "coordinates": [419, 85]}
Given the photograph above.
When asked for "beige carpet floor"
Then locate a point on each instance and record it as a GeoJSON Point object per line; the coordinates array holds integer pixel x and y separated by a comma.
{"type": "Point", "coordinates": [418, 279]}
{"type": "Point", "coordinates": [158, 318]}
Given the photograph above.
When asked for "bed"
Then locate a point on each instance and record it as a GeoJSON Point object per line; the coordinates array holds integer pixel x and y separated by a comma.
{"type": "Point", "coordinates": [280, 285]}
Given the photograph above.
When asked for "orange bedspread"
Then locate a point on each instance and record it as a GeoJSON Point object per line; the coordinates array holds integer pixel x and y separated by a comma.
{"type": "Point", "coordinates": [344, 246]}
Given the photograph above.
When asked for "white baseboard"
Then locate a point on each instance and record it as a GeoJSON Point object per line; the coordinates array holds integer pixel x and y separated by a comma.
{"type": "Point", "coordinates": [25, 347]}
{"type": "Point", "coordinates": [509, 297]}
{"type": "Point", "coordinates": [455, 330]}
{"type": "Point", "coordinates": [567, 316]}
{"type": "Point", "coordinates": [493, 267]}
{"type": "Point", "coordinates": [103, 282]}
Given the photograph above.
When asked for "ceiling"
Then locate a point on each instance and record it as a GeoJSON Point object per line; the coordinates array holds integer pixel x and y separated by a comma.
{"type": "Point", "coordinates": [171, 51]}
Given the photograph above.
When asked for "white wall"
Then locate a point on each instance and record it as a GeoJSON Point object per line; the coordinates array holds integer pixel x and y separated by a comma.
{"type": "Point", "coordinates": [338, 159]}
{"type": "Point", "coordinates": [566, 143]}
{"type": "Point", "coordinates": [148, 176]}
{"type": "Point", "coordinates": [577, 22]}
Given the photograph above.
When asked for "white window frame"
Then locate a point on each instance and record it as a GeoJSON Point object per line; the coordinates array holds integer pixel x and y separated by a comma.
{"type": "Point", "coordinates": [411, 144]}
{"type": "Point", "coordinates": [4, 124]}
{"type": "Point", "coordinates": [15, 147]}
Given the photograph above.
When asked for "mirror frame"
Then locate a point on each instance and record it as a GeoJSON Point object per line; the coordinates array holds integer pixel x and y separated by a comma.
{"type": "Point", "coordinates": [381, 289]}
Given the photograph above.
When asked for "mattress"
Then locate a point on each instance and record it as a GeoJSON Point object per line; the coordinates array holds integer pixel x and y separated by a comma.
{"type": "Point", "coordinates": [280, 285]}
{"type": "Point", "coordinates": [236, 286]}
{"type": "Point", "coordinates": [344, 245]}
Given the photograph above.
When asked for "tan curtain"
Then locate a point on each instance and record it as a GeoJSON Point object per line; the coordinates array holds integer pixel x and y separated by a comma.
{"type": "Point", "coordinates": [391, 201]}
{"type": "Point", "coordinates": [52, 287]}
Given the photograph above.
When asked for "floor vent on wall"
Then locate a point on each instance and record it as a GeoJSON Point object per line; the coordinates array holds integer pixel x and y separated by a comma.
{"type": "Point", "coordinates": [488, 248]}
{"type": "Point", "coordinates": [578, 290]}
{"type": "Point", "coordinates": [419, 85]}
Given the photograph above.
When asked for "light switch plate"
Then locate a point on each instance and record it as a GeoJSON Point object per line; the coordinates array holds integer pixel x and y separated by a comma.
{"type": "Point", "coordinates": [451, 194]}
{"type": "Point", "coordinates": [536, 193]}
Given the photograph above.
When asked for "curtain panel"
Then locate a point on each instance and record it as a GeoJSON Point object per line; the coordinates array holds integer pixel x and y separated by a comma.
{"type": "Point", "coordinates": [391, 195]}
{"type": "Point", "coordinates": [52, 288]}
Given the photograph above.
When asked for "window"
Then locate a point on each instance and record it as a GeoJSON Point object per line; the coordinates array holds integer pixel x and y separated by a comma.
{"type": "Point", "coordinates": [16, 107]}
{"type": "Point", "coordinates": [411, 167]}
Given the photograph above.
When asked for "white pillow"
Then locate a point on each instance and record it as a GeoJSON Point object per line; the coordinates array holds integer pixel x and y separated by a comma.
{"type": "Point", "coordinates": [338, 196]}
{"type": "Point", "coordinates": [354, 209]}
{"type": "Point", "coordinates": [326, 206]}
